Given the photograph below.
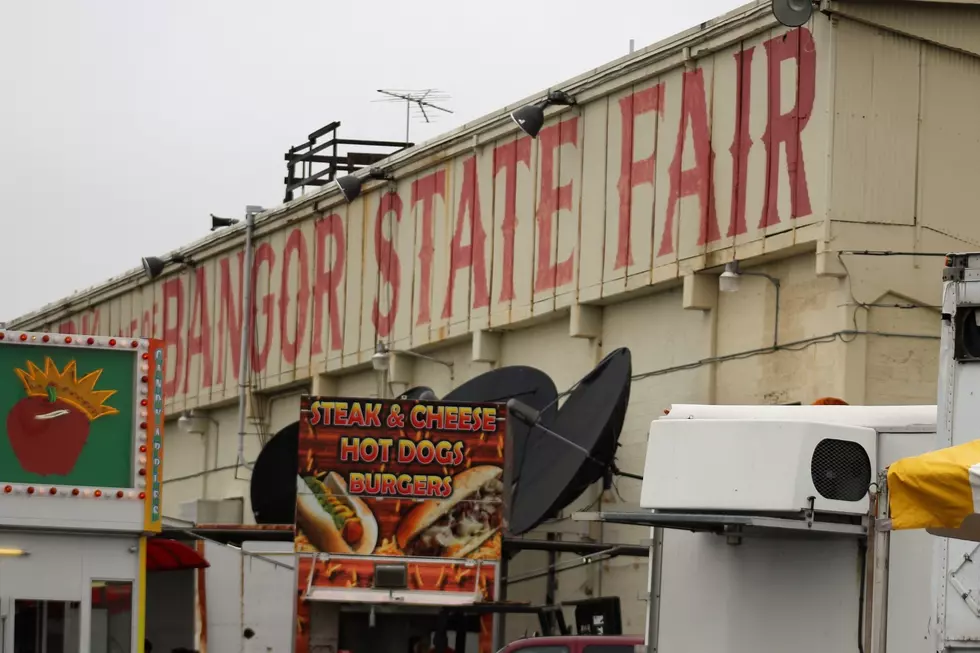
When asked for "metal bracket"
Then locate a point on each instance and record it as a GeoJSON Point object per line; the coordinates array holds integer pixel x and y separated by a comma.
{"type": "Point", "coordinates": [968, 595]}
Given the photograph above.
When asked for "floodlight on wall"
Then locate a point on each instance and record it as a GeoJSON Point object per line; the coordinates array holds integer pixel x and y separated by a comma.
{"type": "Point", "coordinates": [193, 422]}
{"type": "Point", "coordinates": [730, 280]}
{"type": "Point", "coordinates": [153, 265]}
{"type": "Point", "coordinates": [381, 358]}
{"type": "Point", "coordinates": [350, 185]}
{"type": "Point", "coordinates": [530, 118]}
{"type": "Point", "coordinates": [218, 223]}
{"type": "Point", "coordinates": [792, 13]}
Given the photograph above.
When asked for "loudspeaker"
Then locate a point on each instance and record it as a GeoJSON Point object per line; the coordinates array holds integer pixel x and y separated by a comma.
{"type": "Point", "coordinates": [792, 13]}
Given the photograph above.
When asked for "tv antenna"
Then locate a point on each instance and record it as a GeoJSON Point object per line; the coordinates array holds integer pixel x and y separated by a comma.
{"type": "Point", "coordinates": [417, 100]}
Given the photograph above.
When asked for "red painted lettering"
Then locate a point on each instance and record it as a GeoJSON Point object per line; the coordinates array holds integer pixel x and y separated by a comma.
{"type": "Point", "coordinates": [260, 356]}
{"type": "Point", "coordinates": [173, 324]}
{"type": "Point", "coordinates": [425, 189]}
{"type": "Point", "coordinates": [741, 141]}
{"type": "Point", "coordinates": [633, 173]}
{"type": "Point", "coordinates": [389, 265]}
{"type": "Point", "coordinates": [199, 331]}
{"type": "Point", "coordinates": [696, 180]}
{"type": "Point", "coordinates": [291, 343]}
{"type": "Point", "coordinates": [327, 280]}
{"type": "Point", "coordinates": [506, 157]}
{"type": "Point", "coordinates": [786, 128]}
{"type": "Point", "coordinates": [134, 326]}
{"type": "Point", "coordinates": [553, 198]}
{"type": "Point", "coordinates": [229, 317]}
{"type": "Point", "coordinates": [67, 326]}
{"type": "Point", "coordinates": [90, 323]}
{"type": "Point", "coordinates": [472, 255]}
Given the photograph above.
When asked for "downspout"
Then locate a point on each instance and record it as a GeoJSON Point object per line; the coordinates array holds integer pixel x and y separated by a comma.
{"type": "Point", "coordinates": [243, 352]}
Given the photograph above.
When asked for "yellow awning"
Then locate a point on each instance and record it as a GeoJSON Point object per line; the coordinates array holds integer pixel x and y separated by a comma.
{"type": "Point", "coordinates": [935, 490]}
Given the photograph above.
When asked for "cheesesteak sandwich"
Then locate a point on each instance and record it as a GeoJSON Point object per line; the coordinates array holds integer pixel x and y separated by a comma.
{"type": "Point", "coordinates": [332, 520]}
{"type": "Point", "coordinates": [457, 526]}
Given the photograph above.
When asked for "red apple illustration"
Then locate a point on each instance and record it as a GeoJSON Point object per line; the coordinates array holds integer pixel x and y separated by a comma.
{"type": "Point", "coordinates": [48, 429]}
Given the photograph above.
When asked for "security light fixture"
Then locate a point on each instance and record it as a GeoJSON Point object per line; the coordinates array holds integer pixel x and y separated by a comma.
{"type": "Point", "coordinates": [730, 278]}
{"type": "Point", "coordinates": [792, 13]}
{"type": "Point", "coordinates": [218, 223]}
{"type": "Point", "coordinates": [350, 185]}
{"type": "Point", "coordinates": [193, 423]}
{"type": "Point", "coordinates": [530, 118]}
{"type": "Point", "coordinates": [153, 265]}
{"type": "Point", "coordinates": [381, 358]}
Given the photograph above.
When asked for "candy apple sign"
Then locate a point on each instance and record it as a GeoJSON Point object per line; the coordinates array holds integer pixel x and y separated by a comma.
{"type": "Point", "coordinates": [80, 419]}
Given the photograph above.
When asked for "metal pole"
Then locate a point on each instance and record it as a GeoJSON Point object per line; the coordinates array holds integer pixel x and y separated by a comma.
{"type": "Point", "coordinates": [500, 619]}
{"type": "Point", "coordinates": [632, 44]}
{"type": "Point", "coordinates": [244, 349]}
{"type": "Point", "coordinates": [651, 638]}
{"type": "Point", "coordinates": [408, 118]}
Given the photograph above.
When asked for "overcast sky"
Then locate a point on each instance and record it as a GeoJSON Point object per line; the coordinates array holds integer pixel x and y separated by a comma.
{"type": "Point", "coordinates": [125, 123]}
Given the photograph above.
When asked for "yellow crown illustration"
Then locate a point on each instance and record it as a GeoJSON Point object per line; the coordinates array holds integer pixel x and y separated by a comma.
{"type": "Point", "coordinates": [67, 387]}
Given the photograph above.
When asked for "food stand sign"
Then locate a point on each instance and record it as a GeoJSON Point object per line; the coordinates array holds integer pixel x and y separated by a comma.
{"type": "Point", "coordinates": [411, 486]}
{"type": "Point", "coordinates": [81, 431]}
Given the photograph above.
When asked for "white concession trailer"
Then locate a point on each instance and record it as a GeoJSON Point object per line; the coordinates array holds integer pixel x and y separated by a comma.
{"type": "Point", "coordinates": [771, 529]}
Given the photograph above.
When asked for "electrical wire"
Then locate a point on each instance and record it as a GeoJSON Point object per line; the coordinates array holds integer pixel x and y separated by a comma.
{"type": "Point", "coordinates": [797, 345]}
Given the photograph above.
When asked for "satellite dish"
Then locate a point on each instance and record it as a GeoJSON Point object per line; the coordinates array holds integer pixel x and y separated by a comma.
{"type": "Point", "coordinates": [273, 485]}
{"type": "Point", "coordinates": [555, 473]}
{"type": "Point", "coordinates": [792, 13]}
{"type": "Point", "coordinates": [419, 393]}
{"type": "Point", "coordinates": [529, 385]}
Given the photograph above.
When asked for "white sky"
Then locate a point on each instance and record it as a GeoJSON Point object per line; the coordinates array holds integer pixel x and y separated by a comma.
{"type": "Point", "coordinates": [125, 123]}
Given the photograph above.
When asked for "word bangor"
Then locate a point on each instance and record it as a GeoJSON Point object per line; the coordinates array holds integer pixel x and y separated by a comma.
{"type": "Point", "coordinates": [420, 417]}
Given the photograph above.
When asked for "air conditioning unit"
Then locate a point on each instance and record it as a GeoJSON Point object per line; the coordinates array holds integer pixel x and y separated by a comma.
{"type": "Point", "coordinates": [213, 511]}
{"type": "Point", "coordinates": [758, 466]}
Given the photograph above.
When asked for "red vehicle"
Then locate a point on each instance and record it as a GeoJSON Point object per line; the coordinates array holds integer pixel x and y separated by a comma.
{"type": "Point", "coordinates": [576, 644]}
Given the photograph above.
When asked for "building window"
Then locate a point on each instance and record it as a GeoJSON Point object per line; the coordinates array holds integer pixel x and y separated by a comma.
{"type": "Point", "coordinates": [46, 626]}
{"type": "Point", "coordinates": [112, 617]}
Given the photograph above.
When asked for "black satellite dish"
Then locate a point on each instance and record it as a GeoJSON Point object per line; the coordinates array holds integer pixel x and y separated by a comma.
{"type": "Point", "coordinates": [419, 393]}
{"type": "Point", "coordinates": [530, 386]}
{"type": "Point", "coordinates": [273, 485]}
{"type": "Point", "coordinates": [555, 472]}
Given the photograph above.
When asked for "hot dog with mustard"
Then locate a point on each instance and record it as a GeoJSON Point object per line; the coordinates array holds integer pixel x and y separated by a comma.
{"type": "Point", "coordinates": [332, 520]}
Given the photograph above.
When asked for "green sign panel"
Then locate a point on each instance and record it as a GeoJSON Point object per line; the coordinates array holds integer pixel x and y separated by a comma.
{"type": "Point", "coordinates": [67, 415]}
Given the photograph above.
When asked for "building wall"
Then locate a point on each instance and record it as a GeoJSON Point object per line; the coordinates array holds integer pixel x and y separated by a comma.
{"type": "Point", "coordinates": [62, 567]}
{"type": "Point", "coordinates": [678, 159]}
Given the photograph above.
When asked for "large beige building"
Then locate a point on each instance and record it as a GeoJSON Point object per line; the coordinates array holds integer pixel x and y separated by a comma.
{"type": "Point", "coordinates": [739, 140]}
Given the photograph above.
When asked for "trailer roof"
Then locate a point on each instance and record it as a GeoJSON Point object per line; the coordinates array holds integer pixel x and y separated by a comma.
{"type": "Point", "coordinates": [878, 417]}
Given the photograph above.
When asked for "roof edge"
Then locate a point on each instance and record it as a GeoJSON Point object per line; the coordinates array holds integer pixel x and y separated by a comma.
{"type": "Point", "coordinates": [590, 79]}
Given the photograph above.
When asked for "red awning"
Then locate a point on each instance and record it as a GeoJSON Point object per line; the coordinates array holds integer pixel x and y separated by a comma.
{"type": "Point", "coordinates": [170, 555]}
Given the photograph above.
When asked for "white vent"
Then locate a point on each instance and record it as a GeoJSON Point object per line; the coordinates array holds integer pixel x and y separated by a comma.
{"type": "Point", "coordinates": [213, 511]}
{"type": "Point", "coordinates": [758, 466]}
